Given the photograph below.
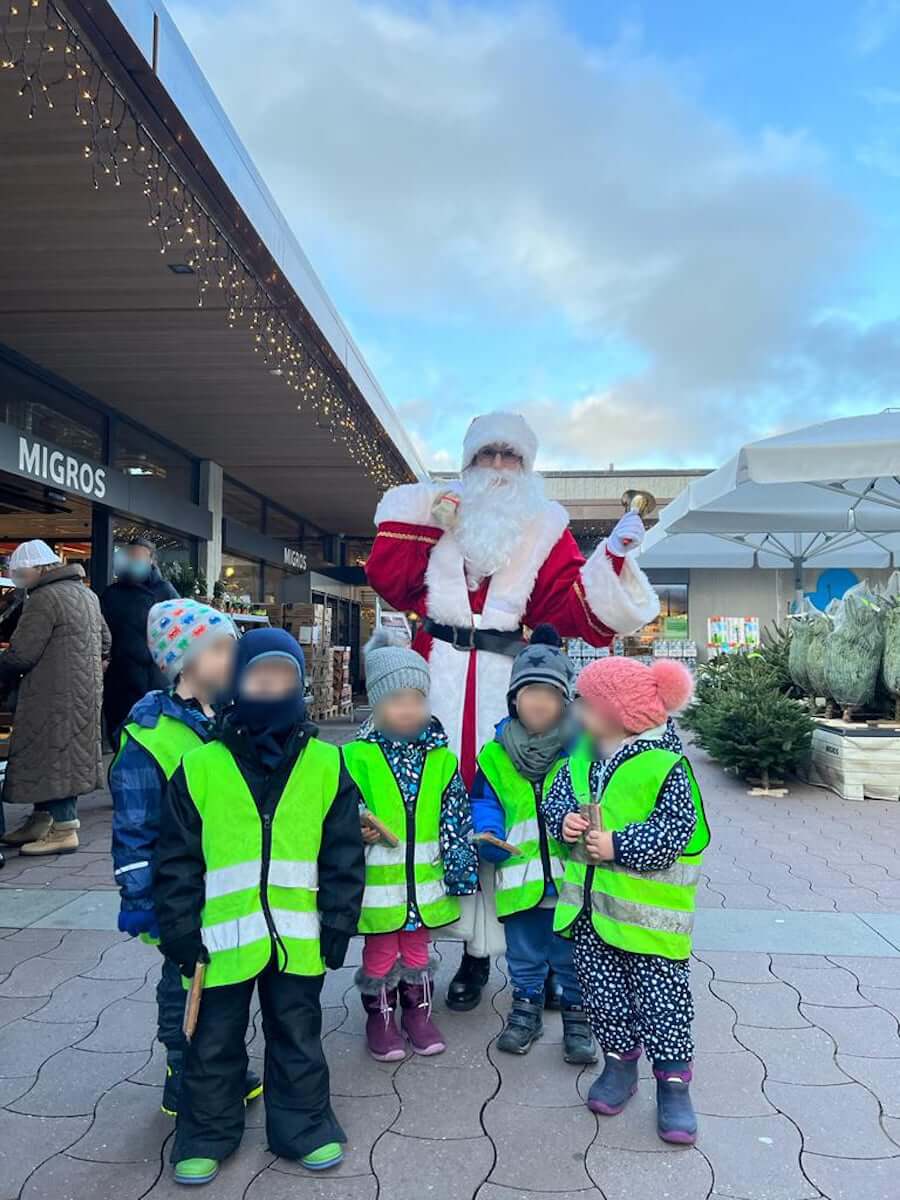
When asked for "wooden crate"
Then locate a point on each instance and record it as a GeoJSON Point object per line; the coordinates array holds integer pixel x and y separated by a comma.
{"type": "Point", "coordinates": [858, 761]}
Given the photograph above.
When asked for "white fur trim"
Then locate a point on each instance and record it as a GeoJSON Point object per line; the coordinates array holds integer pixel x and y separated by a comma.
{"type": "Point", "coordinates": [409, 504]}
{"type": "Point", "coordinates": [502, 429]}
{"type": "Point", "coordinates": [624, 602]}
{"type": "Point", "coordinates": [448, 668]}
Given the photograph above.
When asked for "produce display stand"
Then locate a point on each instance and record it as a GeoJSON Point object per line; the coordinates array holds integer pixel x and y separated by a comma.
{"type": "Point", "coordinates": [857, 760]}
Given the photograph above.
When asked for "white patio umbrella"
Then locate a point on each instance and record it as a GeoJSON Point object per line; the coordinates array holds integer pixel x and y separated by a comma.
{"type": "Point", "coordinates": [825, 495]}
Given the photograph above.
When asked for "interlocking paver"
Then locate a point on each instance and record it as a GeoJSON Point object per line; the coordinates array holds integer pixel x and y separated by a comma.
{"type": "Point", "coordinates": [528, 1147]}
{"type": "Point", "coordinates": [880, 1075]}
{"type": "Point", "coordinates": [154, 1069]}
{"type": "Point", "coordinates": [635, 1128]}
{"type": "Point", "coordinates": [793, 1055]}
{"type": "Point", "coordinates": [757, 1158]}
{"type": "Point", "coordinates": [64, 1176]}
{"type": "Point", "coordinates": [25, 1045]}
{"type": "Point", "coordinates": [273, 1184]}
{"type": "Point", "coordinates": [737, 968]}
{"type": "Point", "coordinates": [872, 972]}
{"type": "Point", "coordinates": [82, 999]}
{"type": "Point", "coordinates": [447, 1103]}
{"type": "Point", "coordinates": [770, 1005]}
{"type": "Point", "coordinates": [84, 946]}
{"type": "Point", "coordinates": [37, 977]}
{"type": "Point", "coordinates": [353, 1070]}
{"type": "Point", "coordinates": [14, 1007]}
{"type": "Point", "coordinates": [492, 1191]}
{"type": "Point", "coordinates": [538, 1079]}
{"type": "Point", "coordinates": [235, 1174]}
{"type": "Point", "coordinates": [830, 986]}
{"type": "Point", "coordinates": [841, 1119]}
{"type": "Point", "coordinates": [124, 1026]}
{"type": "Point", "coordinates": [626, 1174]}
{"type": "Point", "coordinates": [29, 1141]}
{"type": "Point", "coordinates": [131, 959]}
{"type": "Point", "coordinates": [70, 1082]}
{"type": "Point", "coordinates": [885, 998]}
{"type": "Point", "coordinates": [336, 987]}
{"type": "Point", "coordinates": [411, 1168]}
{"type": "Point", "coordinates": [729, 1085]}
{"type": "Point", "coordinates": [875, 1179]}
{"type": "Point", "coordinates": [127, 1127]}
{"type": "Point", "coordinates": [864, 1031]}
{"type": "Point", "coordinates": [14, 1087]}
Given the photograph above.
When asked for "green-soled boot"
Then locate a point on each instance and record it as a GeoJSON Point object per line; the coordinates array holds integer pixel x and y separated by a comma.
{"type": "Point", "coordinates": [194, 1171]}
{"type": "Point", "coordinates": [326, 1156]}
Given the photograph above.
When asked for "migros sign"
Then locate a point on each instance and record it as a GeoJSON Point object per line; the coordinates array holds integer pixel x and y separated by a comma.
{"type": "Point", "coordinates": [61, 468]}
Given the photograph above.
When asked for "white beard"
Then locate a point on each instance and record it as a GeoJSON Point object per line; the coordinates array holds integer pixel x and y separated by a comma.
{"type": "Point", "coordinates": [494, 511]}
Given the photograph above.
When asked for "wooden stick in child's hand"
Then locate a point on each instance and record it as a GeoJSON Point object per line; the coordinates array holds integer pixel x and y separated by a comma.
{"type": "Point", "coordinates": [591, 813]}
{"type": "Point", "coordinates": [192, 1004]}
{"type": "Point", "coordinates": [380, 828]}
{"type": "Point", "coordinates": [495, 841]}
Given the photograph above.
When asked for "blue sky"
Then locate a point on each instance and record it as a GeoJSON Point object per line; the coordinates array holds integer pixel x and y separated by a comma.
{"type": "Point", "coordinates": [658, 229]}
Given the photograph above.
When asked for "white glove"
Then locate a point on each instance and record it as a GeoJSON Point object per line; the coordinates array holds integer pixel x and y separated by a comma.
{"type": "Point", "coordinates": [627, 535]}
{"type": "Point", "coordinates": [445, 510]}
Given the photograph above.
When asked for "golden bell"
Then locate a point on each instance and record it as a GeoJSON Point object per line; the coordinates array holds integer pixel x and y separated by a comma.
{"type": "Point", "coordinates": [643, 503]}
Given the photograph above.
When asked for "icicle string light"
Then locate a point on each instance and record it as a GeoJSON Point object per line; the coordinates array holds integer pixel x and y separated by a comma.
{"type": "Point", "coordinates": [38, 42]}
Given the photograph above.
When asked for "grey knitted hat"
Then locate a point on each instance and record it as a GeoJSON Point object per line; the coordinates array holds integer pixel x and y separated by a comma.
{"type": "Point", "coordinates": [541, 661]}
{"type": "Point", "coordinates": [392, 666]}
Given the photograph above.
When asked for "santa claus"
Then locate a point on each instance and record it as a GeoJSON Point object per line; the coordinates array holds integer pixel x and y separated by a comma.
{"type": "Point", "coordinates": [480, 560]}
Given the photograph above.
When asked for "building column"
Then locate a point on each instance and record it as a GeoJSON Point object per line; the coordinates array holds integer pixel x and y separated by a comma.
{"type": "Point", "coordinates": [209, 554]}
{"type": "Point", "coordinates": [101, 547]}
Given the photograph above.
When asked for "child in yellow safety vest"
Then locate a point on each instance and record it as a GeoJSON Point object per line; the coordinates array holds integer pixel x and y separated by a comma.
{"type": "Point", "coordinates": [627, 898]}
{"type": "Point", "coordinates": [514, 771]}
{"type": "Point", "coordinates": [259, 875]}
{"type": "Point", "coordinates": [193, 646]}
{"type": "Point", "coordinates": [409, 783]}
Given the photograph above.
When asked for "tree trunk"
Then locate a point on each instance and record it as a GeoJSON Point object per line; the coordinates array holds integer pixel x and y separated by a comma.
{"type": "Point", "coordinates": [765, 778]}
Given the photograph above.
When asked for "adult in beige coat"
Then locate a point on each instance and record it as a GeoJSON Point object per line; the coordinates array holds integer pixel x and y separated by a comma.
{"type": "Point", "coordinates": [56, 657]}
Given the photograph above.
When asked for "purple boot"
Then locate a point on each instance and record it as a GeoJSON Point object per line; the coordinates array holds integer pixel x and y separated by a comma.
{"type": "Point", "coordinates": [676, 1120]}
{"type": "Point", "coordinates": [415, 1021]}
{"type": "Point", "coordinates": [617, 1083]}
{"type": "Point", "coordinates": [383, 1039]}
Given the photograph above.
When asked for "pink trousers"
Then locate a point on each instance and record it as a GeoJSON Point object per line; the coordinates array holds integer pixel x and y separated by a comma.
{"type": "Point", "coordinates": [382, 950]}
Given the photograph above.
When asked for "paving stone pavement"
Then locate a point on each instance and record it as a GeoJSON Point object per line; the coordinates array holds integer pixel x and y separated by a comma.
{"type": "Point", "coordinates": [797, 1069]}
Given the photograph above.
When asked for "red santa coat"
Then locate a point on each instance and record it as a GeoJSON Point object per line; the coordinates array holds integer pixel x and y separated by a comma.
{"type": "Point", "coordinates": [418, 567]}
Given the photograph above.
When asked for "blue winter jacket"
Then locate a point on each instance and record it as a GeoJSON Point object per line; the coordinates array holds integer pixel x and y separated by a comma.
{"type": "Point", "coordinates": [488, 815]}
{"type": "Point", "coordinates": [138, 787]}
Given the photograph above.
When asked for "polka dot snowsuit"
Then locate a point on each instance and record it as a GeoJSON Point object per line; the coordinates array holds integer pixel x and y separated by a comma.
{"type": "Point", "coordinates": [635, 999]}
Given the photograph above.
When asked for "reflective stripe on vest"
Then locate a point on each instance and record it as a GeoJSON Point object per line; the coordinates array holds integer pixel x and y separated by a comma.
{"type": "Point", "coordinates": [396, 875]}
{"type": "Point", "coordinates": [650, 912]}
{"type": "Point", "coordinates": [233, 922]}
{"type": "Point", "coordinates": [167, 742]}
{"type": "Point", "coordinates": [521, 880]}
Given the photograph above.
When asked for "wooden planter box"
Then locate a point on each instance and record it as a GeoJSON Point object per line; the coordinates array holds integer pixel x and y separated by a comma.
{"type": "Point", "coordinates": [859, 762]}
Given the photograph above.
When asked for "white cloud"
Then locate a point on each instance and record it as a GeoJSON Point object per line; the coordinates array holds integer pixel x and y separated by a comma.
{"type": "Point", "coordinates": [877, 23]}
{"type": "Point", "coordinates": [470, 161]}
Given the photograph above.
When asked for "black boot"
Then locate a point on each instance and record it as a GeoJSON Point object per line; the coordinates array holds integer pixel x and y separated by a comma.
{"type": "Point", "coordinates": [468, 983]}
{"type": "Point", "coordinates": [578, 1041]}
{"type": "Point", "coordinates": [553, 993]}
{"type": "Point", "coordinates": [524, 1025]}
{"type": "Point", "coordinates": [676, 1120]}
{"type": "Point", "coordinates": [612, 1090]}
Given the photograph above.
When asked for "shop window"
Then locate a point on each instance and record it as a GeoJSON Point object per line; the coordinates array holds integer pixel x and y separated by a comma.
{"type": "Point", "coordinates": [273, 579]}
{"type": "Point", "coordinates": [45, 412]}
{"type": "Point", "coordinates": [673, 602]}
{"type": "Point", "coordinates": [140, 455]}
{"type": "Point", "coordinates": [241, 577]}
{"type": "Point", "coordinates": [240, 504]}
{"type": "Point", "coordinates": [175, 554]}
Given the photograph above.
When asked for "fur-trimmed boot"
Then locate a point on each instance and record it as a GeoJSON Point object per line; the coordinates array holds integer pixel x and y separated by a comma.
{"type": "Point", "coordinates": [379, 999]}
{"type": "Point", "coordinates": [415, 1002]}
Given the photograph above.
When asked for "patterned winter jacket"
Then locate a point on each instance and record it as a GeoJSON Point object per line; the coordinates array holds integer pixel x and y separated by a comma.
{"type": "Point", "coordinates": [407, 762]}
{"type": "Point", "coordinates": [138, 788]}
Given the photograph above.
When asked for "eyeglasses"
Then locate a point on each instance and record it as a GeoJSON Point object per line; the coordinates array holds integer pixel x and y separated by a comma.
{"type": "Point", "coordinates": [489, 455]}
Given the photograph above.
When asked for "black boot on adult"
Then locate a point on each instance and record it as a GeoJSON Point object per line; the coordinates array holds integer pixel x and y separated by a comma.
{"type": "Point", "coordinates": [468, 983]}
{"type": "Point", "coordinates": [524, 1025]}
{"type": "Point", "coordinates": [578, 1041]}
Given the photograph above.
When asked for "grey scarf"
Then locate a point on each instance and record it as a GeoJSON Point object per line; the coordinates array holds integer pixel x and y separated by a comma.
{"type": "Point", "coordinates": [533, 754]}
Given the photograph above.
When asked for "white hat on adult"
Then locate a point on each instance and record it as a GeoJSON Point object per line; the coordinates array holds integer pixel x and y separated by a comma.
{"type": "Point", "coordinates": [32, 554]}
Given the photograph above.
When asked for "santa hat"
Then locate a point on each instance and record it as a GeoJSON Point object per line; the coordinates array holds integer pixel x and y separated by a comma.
{"type": "Point", "coordinates": [500, 429]}
{"type": "Point", "coordinates": [636, 697]}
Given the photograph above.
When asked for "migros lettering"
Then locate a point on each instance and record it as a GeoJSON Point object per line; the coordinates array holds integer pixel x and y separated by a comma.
{"type": "Point", "coordinates": [65, 470]}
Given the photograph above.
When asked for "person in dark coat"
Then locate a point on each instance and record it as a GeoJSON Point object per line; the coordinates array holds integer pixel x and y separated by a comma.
{"type": "Point", "coordinates": [260, 872]}
{"type": "Point", "coordinates": [126, 604]}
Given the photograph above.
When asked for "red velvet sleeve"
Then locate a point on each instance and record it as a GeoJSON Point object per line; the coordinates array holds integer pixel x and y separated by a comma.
{"type": "Point", "coordinates": [558, 596]}
{"type": "Point", "coordinates": [396, 566]}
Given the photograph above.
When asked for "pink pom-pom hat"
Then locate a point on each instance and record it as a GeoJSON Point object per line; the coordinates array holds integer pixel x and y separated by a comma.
{"type": "Point", "coordinates": [636, 697]}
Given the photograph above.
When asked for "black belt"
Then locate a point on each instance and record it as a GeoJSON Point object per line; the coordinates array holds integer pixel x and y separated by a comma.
{"type": "Point", "coordinates": [467, 637]}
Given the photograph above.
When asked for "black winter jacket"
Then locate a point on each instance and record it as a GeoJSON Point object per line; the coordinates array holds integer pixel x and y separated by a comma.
{"type": "Point", "coordinates": [131, 672]}
{"type": "Point", "coordinates": [179, 872]}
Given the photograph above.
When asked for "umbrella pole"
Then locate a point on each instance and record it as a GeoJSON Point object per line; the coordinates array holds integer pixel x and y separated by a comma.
{"type": "Point", "coordinates": [798, 584]}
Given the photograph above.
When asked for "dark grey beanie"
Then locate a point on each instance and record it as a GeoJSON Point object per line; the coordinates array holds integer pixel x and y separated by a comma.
{"type": "Point", "coordinates": [541, 661]}
{"type": "Point", "coordinates": [392, 666]}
